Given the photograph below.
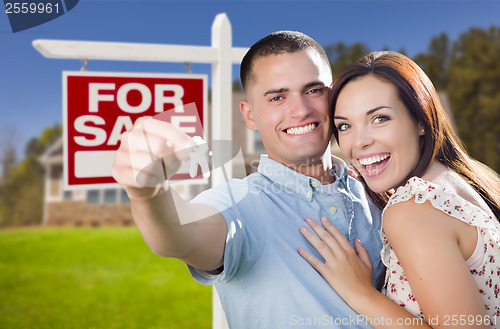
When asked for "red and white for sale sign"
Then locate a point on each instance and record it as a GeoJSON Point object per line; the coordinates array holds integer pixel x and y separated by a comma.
{"type": "Point", "coordinates": [98, 107]}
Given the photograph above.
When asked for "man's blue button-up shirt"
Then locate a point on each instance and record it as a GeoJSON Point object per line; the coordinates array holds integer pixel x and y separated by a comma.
{"type": "Point", "coordinates": [265, 282]}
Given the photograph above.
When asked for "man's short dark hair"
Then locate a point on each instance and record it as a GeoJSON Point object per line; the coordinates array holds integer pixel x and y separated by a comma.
{"type": "Point", "coordinates": [280, 42]}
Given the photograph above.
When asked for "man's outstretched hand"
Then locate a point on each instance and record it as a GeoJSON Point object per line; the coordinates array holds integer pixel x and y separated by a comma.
{"type": "Point", "coordinates": [150, 153]}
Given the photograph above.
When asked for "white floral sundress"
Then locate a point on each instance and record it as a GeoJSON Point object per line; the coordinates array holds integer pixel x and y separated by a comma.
{"type": "Point", "coordinates": [486, 273]}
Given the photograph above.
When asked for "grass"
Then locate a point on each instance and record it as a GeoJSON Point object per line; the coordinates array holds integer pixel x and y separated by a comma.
{"type": "Point", "coordinates": [95, 278]}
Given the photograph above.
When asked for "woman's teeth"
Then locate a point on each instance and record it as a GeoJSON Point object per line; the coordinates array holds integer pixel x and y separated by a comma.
{"type": "Point", "coordinates": [301, 130]}
{"type": "Point", "coordinates": [372, 160]}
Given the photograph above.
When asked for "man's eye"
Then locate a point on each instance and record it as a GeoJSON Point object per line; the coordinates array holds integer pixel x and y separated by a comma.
{"type": "Point", "coordinates": [276, 98]}
{"type": "Point", "coordinates": [315, 91]}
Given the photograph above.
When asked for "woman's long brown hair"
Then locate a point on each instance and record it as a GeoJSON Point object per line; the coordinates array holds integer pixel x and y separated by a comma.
{"type": "Point", "coordinates": [439, 142]}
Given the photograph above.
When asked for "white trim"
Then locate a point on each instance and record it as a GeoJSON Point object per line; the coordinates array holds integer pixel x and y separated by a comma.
{"type": "Point", "coordinates": [47, 158]}
{"type": "Point", "coordinates": [46, 195]}
{"type": "Point", "coordinates": [129, 51]}
{"type": "Point", "coordinates": [135, 74]}
{"type": "Point", "coordinates": [58, 144]}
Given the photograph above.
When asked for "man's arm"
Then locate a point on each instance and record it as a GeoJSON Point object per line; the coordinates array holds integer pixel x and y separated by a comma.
{"type": "Point", "coordinates": [193, 233]}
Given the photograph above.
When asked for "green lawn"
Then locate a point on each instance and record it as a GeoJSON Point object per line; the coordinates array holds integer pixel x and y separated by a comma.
{"type": "Point", "coordinates": [94, 278]}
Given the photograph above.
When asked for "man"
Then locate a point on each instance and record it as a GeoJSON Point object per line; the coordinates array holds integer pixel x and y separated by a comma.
{"type": "Point", "coordinates": [244, 235]}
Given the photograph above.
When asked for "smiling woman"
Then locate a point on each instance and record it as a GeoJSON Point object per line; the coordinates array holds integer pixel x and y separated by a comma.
{"type": "Point", "coordinates": [377, 133]}
{"type": "Point", "coordinates": [440, 226]}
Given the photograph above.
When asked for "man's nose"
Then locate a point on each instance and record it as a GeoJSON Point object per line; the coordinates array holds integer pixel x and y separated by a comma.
{"type": "Point", "coordinates": [299, 106]}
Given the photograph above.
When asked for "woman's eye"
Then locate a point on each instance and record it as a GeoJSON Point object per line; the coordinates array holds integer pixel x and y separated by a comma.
{"type": "Point", "coordinates": [381, 119]}
{"type": "Point", "coordinates": [343, 126]}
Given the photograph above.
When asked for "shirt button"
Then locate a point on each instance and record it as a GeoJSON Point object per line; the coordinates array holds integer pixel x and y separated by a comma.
{"type": "Point", "coordinates": [308, 194]}
{"type": "Point", "coordinates": [333, 210]}
{"type": "Point", "coordinates": [314, 184]}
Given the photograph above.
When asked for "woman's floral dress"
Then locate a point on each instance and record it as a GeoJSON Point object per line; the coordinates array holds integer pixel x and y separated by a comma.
{"type": "Point", "coordinates": [485, 267]}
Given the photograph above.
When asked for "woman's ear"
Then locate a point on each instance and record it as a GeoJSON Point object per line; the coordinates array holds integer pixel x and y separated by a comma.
{"type": "Point", "coordinates": [421, 130]}
{"type": "Point", "coordinates": [247, 113]}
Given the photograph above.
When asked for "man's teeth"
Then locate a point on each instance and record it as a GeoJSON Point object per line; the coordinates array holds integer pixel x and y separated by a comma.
{"type": "Point", "coordinates": [372, 160]}
{"type": "Point", "coordinates": [301, 130]}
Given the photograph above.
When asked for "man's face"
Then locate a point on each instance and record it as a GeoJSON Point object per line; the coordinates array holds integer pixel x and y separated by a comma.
{"type": "Point", "coordinates": [288, 104]}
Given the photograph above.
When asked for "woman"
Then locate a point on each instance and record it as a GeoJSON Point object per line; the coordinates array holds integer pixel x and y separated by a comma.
{"type": "Point", "coordinates": [440, 226]}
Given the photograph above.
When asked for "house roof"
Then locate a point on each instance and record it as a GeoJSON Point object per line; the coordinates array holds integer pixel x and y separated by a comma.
{"type": "Point", "coordinates": [53, 154]}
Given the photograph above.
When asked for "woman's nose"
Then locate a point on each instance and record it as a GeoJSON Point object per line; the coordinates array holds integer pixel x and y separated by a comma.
{"type": "Point", "coordinates": [363, 138]}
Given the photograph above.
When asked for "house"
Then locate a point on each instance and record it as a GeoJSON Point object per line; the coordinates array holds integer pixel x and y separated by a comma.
{"type": "Point", "coordinates": [82, 207]}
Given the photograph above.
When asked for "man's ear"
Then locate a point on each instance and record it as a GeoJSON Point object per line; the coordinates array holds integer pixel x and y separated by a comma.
{"type": "Point", "coordinates": [247, 114]}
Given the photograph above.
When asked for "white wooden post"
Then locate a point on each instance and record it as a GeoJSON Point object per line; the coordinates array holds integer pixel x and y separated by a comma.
{"type": "Point", "coordinates": [48, 175]}
{"type": "Point", "coordinates": [221, 55]}
{"type": "Point", "coordinates": [221, 122]}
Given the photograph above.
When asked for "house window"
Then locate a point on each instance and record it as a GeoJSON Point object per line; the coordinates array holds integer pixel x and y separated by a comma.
{"type": "Point", "coordinates": [107, 196]}
{"type": "Point", "coordinates": [68, 195]}
{"type": "Point", "coordinates": [110, 196]}
{"type": "Point", "coordinates": [124, 197]}
{"type": "Point", "coordinates": [93, 196]}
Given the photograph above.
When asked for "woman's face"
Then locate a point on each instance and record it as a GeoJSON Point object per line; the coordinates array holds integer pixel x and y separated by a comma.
{"type": "Point", "coordinates": [376, 132]}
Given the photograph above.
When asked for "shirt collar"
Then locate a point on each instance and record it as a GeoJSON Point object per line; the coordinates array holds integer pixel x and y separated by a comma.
{"type": "Point", "coordinates": [295, 181]}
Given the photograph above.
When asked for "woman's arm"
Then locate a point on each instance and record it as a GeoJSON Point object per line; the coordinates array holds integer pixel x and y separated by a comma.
{"type": "Point", "coordinates": [431, 259]}
{"type": "Point", "coordinates": [428, 243]}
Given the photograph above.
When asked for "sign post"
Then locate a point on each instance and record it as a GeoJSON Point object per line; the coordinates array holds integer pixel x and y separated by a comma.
{"type": "Point", "coordinates": [220, 54]}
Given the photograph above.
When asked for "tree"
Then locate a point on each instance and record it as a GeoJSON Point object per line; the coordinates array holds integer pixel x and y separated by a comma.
{"type": "Point", "coordinates": [22, 201]}
{"type": "Point", "coordinates": [237, 85]}
{"type": "Point", "coordinates": [8, 158]}
{"type": "Point", "coordinates": [341, 55]}
{"type": "Point", "coordinates": [436, 61]}
{"type": "Point", "coordinates": [474, 95]}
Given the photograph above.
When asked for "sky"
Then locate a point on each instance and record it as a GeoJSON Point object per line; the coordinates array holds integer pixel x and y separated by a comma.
{"type": "Point", "coordinates": [31, 85]}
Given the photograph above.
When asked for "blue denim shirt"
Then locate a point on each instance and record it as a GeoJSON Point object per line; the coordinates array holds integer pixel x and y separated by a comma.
{"type": "Point", "coordinates": [265, 282]}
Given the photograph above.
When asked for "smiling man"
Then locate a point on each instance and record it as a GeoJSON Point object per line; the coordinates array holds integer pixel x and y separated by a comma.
{"type": "Point", "coordinates": [288, 104]}
{"type": "Point", "coordinates": [245, 233]}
